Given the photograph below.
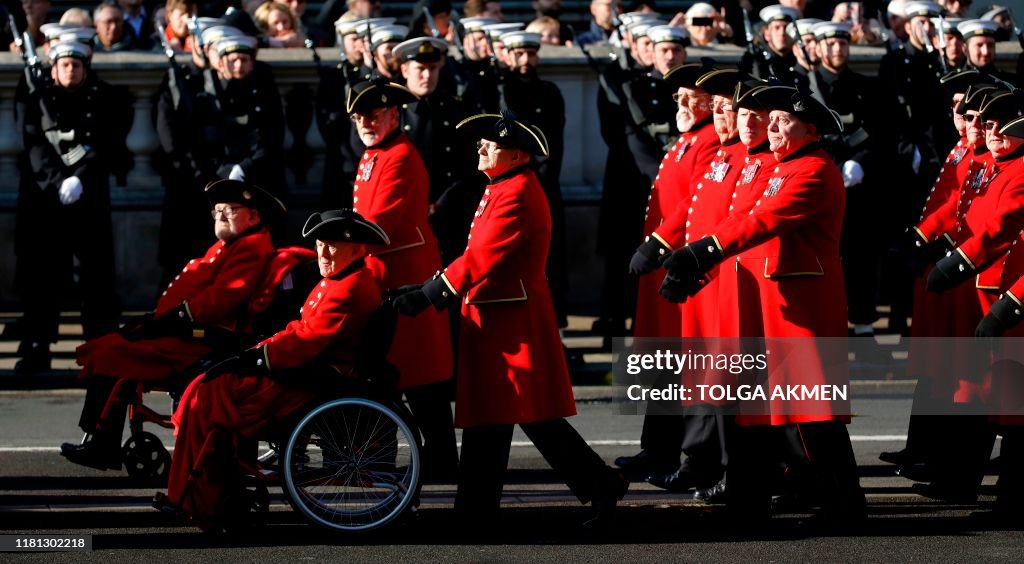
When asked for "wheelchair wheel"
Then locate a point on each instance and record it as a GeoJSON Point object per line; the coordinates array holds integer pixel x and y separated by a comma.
{"type": "Point", "coordinates": [352, 465]}
{"type": "Point", "coordinates": [145, 457]}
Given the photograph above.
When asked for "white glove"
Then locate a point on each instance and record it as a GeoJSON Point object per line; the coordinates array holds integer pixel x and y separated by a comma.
{"type": "Point", "coordinates": [237, 173]}
{"type": "Point", "coordinates": [853, 173]}
{"type": "Point", "coordinates": [70, 190]}
{"type": "Point", "coordinates": [916, 163]}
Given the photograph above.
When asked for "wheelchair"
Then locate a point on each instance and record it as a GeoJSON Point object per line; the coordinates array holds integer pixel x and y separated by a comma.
{"type": "Point", "coordinates": [349, 464]}
{"type": "Point", "coordinates": [274, 303]}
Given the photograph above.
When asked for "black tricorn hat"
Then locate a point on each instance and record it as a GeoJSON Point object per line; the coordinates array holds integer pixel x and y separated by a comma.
{"type": "Point", "coordinates": [960, 80]}
{"type": "Point", "coordinates": [227, 190]}
{"type": "Point", "coordinates": [506, 130]}
{"type": "Point", "coordinates": [721, 81]}
{"type": "Point", "coordinates": [1003, 106]}
{"type": "Point", "coordinates": [742, 98]}
{"type": "Point", "coordinates": [801, 105]}
{"type": "Point", "coordinates": [377, 93]}
{"type": "Point", "coordinates": [974, 96]}
{"type": "Point", "coordinates": [686, 76]}
{"type": "Point", "coordinates": [1013, 128]}
{"type": "Point", "coordinates": [344, 225]}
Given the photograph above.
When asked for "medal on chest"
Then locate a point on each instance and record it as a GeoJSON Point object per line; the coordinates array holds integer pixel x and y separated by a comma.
{"type": "Point", "coordinates": [983, 177]}
{"type": "Point", "coordinates": [366, 169]}
{"type": "Point", "coordinates": [718, 170]}
{"type": "Point", "coordinates": [774, 184]}
{"type": "Point", "coordinates": [480, 208]}
{"type": "Point", "coordinates": [681, 150]}
{"type": "Point", "coordinates": [958, 154]}
{"type": "Point", "coordinates": [749, 170]}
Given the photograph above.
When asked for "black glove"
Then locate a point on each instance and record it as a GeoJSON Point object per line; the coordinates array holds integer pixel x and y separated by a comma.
{"type": "Point", "coordinates": [950, 272]}
{"type": "Point", "coordinates": [131, 328]}
{"type": "Point", "coordinates": [648, 256]}
{"type": "Point", "coordinates": [678, 290]}
{"type": "Point", "coordinates": [412, 302]}
{"type": "Point", "coordinates": [694, 259]}
{"type": "Point", "coordinates": [247, 362]}
{"type": "Point", "coordinates": [1003, 315]}
{"type": "Point", "coordinates": [915, 253]}
{"type": "Point", "coordinates": [390, 295]}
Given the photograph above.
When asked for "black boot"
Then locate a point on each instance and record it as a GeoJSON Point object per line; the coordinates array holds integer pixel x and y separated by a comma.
{"type": "Point", "coordinates": [35, 358]}
{"type": "Point", "coordinates": [100, 451]}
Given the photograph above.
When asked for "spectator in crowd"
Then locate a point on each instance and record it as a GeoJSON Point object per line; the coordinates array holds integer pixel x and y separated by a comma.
{"type": "Point", "coordinates": [179, 13]}
{"type": "Point", "coordinates": [484, 8]}
{"type": "Point", "coordinates": [76, 16]}
{"type": "Point", "coordinates": [112, 33]}
{"type": "Point", "coordinates": [278, 22]}
{"type": "Point", "coordinates": [139, 21]}
{"type": "Point", "coordinates": [706, 25]}
{"type": "Point", "coordinates": [37, 13]}
{"type": "Point", "coordinates": [308, 26]}
{"type": "Point", "coordinates": [956, 8]}
{"type": "Point", "coordinates": [1001, 16]}
{"type": "Point", "coordinates": [440, 13]}
{"type": "Point", "coordinates": [798, 5]}
{"type": "Point", "coordinates": [551, 9]}
{"type": "Point", "coordinates": [549, 29]}
{"type": "Point", "coordinates": [864, 30]}
{"type": "Point", "coordinates": [644, 6]}
{"type": "Point", "coordinates": [601, 26]}
{"type": "Point", "coordinates": [332, 10]}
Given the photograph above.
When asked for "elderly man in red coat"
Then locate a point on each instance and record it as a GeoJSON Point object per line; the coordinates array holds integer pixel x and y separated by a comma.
{"type": "Point", "coordinates": [211, 291]}
{"type": "Point", "coordinates": [511, 367]}
{"type": "Point", "coordinates": [791, 235]}
{"type": "Point", "coordinates": [282, 374]}
{"type": "Point", "coordinates": [392, 189]}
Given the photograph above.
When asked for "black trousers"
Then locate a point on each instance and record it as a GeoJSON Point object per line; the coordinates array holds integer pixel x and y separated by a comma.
{"type": "Point", "coordinates": [821, 453]}
{"type": "Point", "coordinates": [1010, 490]}
{"type": "Point", "coordinates": [97, 392]}
{"type": "Point", "coordinates": [485, 452]}
{"type": "Point", "coordinates": [706, 432]}
{"type": "Point", "coordinates": [431, 407]}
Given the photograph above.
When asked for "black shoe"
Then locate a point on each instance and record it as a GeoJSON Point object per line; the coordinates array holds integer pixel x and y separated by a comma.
{"type": "Point", "coordinates": [947, 493]}
{"type": "Point", "coordinates": [98, 453]}
{"type": "Point", "coordinates": [34, 360]}
{"type": "Point", "coordinates": [904, 457]}
{"type": "Point", "coordinates": [713, 495]}
{"type": "Point", "coordinates": [917, 472]}
{"type": "Point", "coordinates": [605, 499]}
{"type": "Point", "coordinates": [644, 463]}
{"type": "Point", "coordinates": [680, 481]}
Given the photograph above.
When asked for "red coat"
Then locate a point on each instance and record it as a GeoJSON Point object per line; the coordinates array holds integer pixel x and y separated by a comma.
{"type": "Point", "coordinates": [656, 317]}
{"type": "Point", "coordinates": [213, 413]}
{"type": "Point", "coordinates": [392, 190]}
{"type": "Point", "coordinates": [711, 195]}
{"type": "Point", "coordinates": [792, 282]}
{"type": "Point", "coordinates": [511, 364]}
{"type": "Point", "coordinates": [216, 288]}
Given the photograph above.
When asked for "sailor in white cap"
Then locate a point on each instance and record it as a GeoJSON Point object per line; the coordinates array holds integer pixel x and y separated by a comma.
{"type": "Point", "coordinates": [802, 28]}
{"type": "Point", "coordinates": [956, 53]}
{"type": "Point", "coordinates": [669, 43]}
{"type": "Point", "coordinates": [1000, 15]}
{"type": "Point", "coordinates": [897, 20]}
{"type": "Point", "coordinates": [474, 40]}
{"type": "Point", "coordinates": [643, 48]}
{"type": "Point", "coordinates": [495, 31]}
{"type": "Point", "coordinates": [774, 58]}
{"type": "Point", "coordinates": [382, 42]}
{"type": "Point", "coordinates": [980, 42]}
{"type": "Point", "coordinates": [919, 26]}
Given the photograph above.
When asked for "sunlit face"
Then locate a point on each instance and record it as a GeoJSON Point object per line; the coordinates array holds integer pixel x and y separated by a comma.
{"type": "Point", "coordinates": [702, 34]}
{"type": "Point", "coordinates": [384, 55]}
{"type": "Point", "coordinates": [375, 125]}
{"type": "Point", "coordinates": [549, 36]}
{"type": "Point", "coordinates": [644, 51]}
{"type": "Point", "coordinates": [109, 26]}
{"type": "Point", "coordinates": [494, 159]}
{"type": "Point", "coordinates": [812, 48]}
{"type": "Point", "coordinates": [179, 21]}
{"type": "Point", "coordinates": [353, 48]}
{"type": "Point", "coordinates": [692, 106]}
{"type": "Point", "coordinates": [279, 24]}
{"type": "Point", "coordinates": [834, 52]}
{"type": "Point", "coordinates": [236, 66]}
{"type": "Point", "coordinates": [753, 126]}
{"type": "Point", "coordinates": [602, 12]}
{"type": "Point", "coordinates": [334, 256]}
{"type": "Point", "coordinates": [476, 46]}
{"type": "Point", "coordinates": [958, 120]}
{"type": "Point", "coordinates": [920, 30]}
{"type": "Point", "coordinates": [231, 219]}
{"type": "Point", "coordinates": [981, 51]}
{"type": "Point", "coordinates": [724, 117]}
{"type": "Point", "coordinates": [787, 133]}
{"type": "Point", "coordinates": [68, 72]}
{"type": "Point", "coordinates": [523, 61]}
{"type": "Point", "coordinates": [776, 37]}
{"type": "Point", "coordinates": [422, 78]}
{"type": "Point", "coordinates": [975, 128]}
{"type": "Point", "coordinates": [955, 47]}
{"type": "Point", "coordinates": [668, 55]}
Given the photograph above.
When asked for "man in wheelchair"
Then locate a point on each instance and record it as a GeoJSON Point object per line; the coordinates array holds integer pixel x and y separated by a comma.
{"type": "Point", "coordinates": [244, 395]}
{"type": "Point", "coordinates": [208, 296]}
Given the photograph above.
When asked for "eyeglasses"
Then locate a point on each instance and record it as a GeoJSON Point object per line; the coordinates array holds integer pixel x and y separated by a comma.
{"type": "Point", "coordinates": [372, 118]}
{"type": "Point", "coordinates": [228, 211]}
{"type": "Point", "coordinates": [489, 146]}
{"type": "Point", "coordinates": [971, 118]}
{"type": "Point", "coordinates": [991, 125]}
